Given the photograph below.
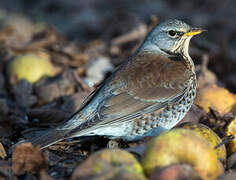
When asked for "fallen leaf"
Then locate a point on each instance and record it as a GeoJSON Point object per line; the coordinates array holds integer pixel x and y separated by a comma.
{"type": "Point", "coordinates": [27, 158]}
{"type": "Point", "coordinates": [3, 154]}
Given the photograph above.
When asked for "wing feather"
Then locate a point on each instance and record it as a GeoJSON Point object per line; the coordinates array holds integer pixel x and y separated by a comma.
{"type": "Point", "coordinates": [149, 84]}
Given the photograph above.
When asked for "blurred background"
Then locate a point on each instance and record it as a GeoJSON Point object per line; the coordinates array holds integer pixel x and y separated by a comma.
{"type": "Point", "coordinates": [85, 21]}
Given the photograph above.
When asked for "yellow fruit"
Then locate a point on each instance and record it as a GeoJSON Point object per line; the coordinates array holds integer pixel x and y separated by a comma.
{"type": "Point", "coordinates": [209, 135]}
{"type": "Point", "coordinates": [181, 146]}
{"type": "Point", "coordinates": [30, 67]}
{"type": "Point", "coordinates": [217, 98]}
{"type": "Point", "coordinates": [231, 130]}
{"type": "Point", "coordinates": [110, 164]}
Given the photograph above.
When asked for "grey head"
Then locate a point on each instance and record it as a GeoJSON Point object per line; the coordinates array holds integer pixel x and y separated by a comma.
{"type": "Point", "coordinates": [170, 37]}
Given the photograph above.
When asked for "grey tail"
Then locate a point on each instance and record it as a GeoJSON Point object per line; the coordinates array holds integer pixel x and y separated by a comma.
{"type": "Point", "coordinates": [48, 137]}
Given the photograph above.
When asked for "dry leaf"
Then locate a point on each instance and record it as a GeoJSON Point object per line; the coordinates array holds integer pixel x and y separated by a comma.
{"type": "Point", "coordinates": [25, 158]}
{"type": "Point", "coordinates": [3, 154]}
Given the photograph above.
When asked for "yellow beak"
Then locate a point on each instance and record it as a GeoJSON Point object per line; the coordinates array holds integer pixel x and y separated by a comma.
{"type": "Point", "coordinates": [194, 32]}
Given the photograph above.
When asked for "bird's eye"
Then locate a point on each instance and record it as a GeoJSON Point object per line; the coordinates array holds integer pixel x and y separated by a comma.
{"type": "Point", "coordinates": [172, 33]}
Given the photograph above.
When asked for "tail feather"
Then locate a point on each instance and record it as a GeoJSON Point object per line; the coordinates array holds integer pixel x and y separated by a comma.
{"type": "Point", "coordinates": [48, 138]}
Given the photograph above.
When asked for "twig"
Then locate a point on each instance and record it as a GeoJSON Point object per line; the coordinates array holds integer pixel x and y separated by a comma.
{"type": "Point", "coordinates": [135, 34]}
{"type": "Point", "coordinates": [225, 140]}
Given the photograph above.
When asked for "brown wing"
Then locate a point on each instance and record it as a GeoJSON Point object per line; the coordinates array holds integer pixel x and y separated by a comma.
{"type": "Point", "coordinates": [149, 83]}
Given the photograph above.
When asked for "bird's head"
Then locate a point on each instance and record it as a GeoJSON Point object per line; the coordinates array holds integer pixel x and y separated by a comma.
{"type": "Point", "coordinates": [170, 37]}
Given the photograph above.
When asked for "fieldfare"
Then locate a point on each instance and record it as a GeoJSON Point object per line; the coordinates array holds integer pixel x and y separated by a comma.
{"type": "Point", "coordinates": [148, 93]}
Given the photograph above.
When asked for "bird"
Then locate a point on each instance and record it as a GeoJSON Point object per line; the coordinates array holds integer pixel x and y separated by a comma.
{"type": "Point", "coordinates": [148, 93]}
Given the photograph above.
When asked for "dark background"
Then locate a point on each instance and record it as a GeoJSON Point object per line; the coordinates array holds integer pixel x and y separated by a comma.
{"type": "Point", "coordinates": [83, 21]}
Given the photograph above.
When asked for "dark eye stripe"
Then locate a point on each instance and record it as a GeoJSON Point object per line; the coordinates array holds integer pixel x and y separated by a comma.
{"type": "Point", "coordinates": [174, 33]}
{"type": "Point", "coordinates": [179, 33]}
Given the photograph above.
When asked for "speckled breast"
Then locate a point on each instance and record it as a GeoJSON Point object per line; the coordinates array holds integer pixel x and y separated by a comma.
{"type": "Point", "coordinates": [163, 119]}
